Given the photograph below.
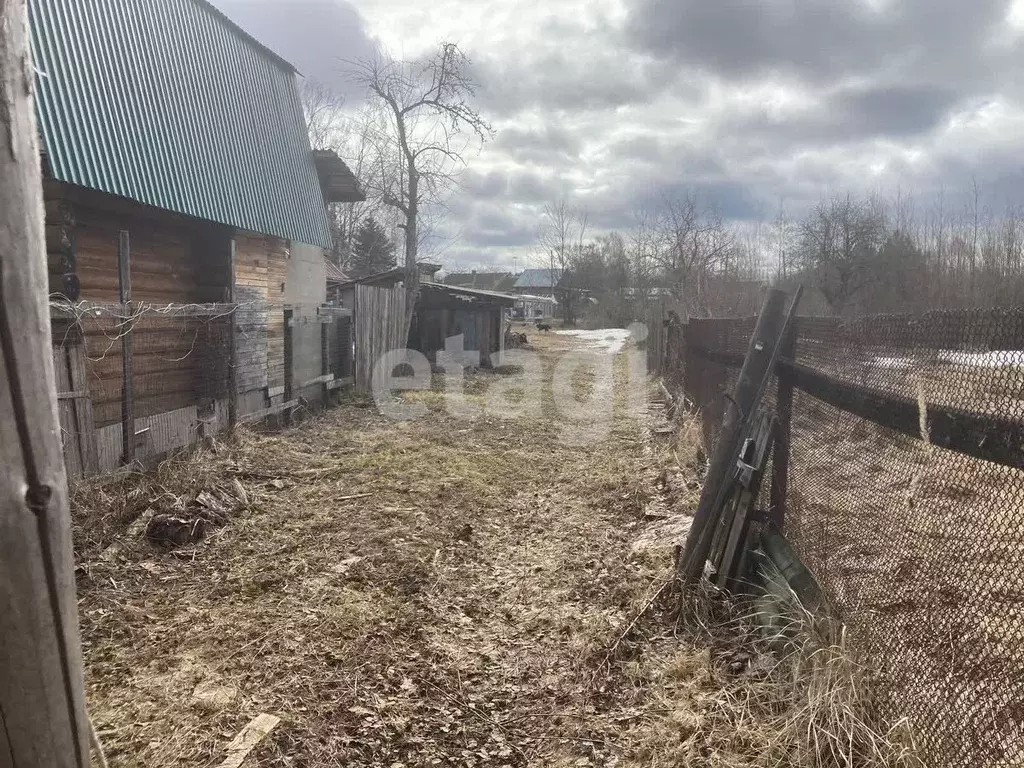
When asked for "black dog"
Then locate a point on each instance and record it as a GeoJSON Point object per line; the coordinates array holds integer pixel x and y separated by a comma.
{"type": "Point", "coordinates": [543, 326]}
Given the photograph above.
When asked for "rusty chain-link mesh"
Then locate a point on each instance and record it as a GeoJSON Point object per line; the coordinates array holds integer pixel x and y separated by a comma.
{"type": "Point", "coordinates": [906, 500]}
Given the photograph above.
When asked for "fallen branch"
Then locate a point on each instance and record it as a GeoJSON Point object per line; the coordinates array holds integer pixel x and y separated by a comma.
{"type": "Point", "coordinates": [610, 653]}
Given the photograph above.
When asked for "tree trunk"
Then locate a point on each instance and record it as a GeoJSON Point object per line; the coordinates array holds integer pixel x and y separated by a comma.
{"type": "Point", "coordinates": [412, 273]}
{"type": "Point", "coordinates": [42, 699]}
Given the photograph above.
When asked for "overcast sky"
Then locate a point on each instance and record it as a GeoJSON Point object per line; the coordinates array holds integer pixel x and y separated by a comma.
{"type": "Point", "coordinates": [614, 102]}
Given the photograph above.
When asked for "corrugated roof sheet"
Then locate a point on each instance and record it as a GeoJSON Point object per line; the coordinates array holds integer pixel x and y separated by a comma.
{"type": "Point", "coordinates": [539, 278]}
{"type": "Point", "coordinates": [335, 274]}
{"type": "Point", "coordinates": [168, 103]}
{"type": "Point", "coordinates": [488, 281]}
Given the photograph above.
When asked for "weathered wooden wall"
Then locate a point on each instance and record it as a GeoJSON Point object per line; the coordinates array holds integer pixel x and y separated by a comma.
{"type": "Point", "coordinates": [179, 364]}
{"type": "Point", "coordinates": [440, 316]}
{"type": "Point", "coordinates": [261, 268]}
{"type": "Point", "coordinates": [181, 270]}
{"type": "Point", "coordinates": [379, 321]}
{"type": "Point", "coordinates": [173, 260]}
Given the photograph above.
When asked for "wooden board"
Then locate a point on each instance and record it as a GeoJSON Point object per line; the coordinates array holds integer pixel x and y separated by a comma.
{"type": "Point", "coordinates": [379, 321]}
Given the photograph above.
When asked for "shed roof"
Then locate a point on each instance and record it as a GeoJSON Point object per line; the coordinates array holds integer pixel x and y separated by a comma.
{"type": "Point", "coordinates": [338, 183]}
{"type": "Point", "coordinates": [488, 281]}
{"type": "Point", "coordinates": [539, 278]}
{"type": "Point", "coordinates": [492, 297]}
{"type": "Point", "coordinates": [170, 104]}
{"type": "Point", "coordinates": [335, 274]}
{"type": "Point", "coordinates": [395, 274]}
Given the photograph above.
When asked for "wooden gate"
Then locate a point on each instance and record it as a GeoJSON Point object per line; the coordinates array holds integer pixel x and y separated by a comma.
{"type": "Point", "coordinates": [379, 325]}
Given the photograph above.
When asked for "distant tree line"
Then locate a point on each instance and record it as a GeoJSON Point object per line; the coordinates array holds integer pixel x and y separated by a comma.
{"type": "Point", "coordinates": [854, 254]}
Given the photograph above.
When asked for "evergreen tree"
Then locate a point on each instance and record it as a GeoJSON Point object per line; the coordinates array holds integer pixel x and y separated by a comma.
{"type": "Point", "coordinates": [372, 251]}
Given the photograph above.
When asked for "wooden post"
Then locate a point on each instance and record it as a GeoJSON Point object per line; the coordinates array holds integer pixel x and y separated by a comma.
{"type": "Point", "coordinates": [783, 431]}
{"type": "Point", "coordinates": [124, 274]}
{"type": "Point", "coordinates": [232, 341]}
{"type": "Point", "coordinates": [325, 354]}
{"type": "Point", "coordinates": [756, 368]}
{"type": "Point", "coordinates": [289, 354]}
{"type": "Point", "coordinates": [42, 694]}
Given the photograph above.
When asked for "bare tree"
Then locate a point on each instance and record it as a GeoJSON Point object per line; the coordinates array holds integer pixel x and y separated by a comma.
{"type": "Point", "coordinates": [425, 124]}
{"type": "Point", "coordinates": [643, 250]}
{"type": "Point", "coordinates": [563, 230]}
{"type": "Point", "coordinates": [782, 242]}
{"type": "Point", "coordinates": [696, 244]}
{"type": "Point", "coordinates": [348, 134]}
{"type": "Point", "coordinates": [325, 119]}
{"type": "Point", "coordinates": [839, 244]}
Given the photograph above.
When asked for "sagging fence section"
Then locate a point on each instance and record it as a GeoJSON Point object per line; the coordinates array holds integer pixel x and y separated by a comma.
{"type": "Point", "coordinates": [897, 476]}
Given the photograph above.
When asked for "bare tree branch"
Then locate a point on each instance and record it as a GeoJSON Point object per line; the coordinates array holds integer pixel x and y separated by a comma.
{"type": "Point", "coordinates": [422, 108]}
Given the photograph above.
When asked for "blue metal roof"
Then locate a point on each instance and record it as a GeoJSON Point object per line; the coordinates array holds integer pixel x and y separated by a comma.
{"type": "Point", "coordinates": [539, 278]}
{"type": "Point", "coordinates": [168, 103]}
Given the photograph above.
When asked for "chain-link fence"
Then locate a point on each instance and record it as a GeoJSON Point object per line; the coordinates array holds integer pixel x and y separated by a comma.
{"type": "Point", "coordinates": [905, 497]}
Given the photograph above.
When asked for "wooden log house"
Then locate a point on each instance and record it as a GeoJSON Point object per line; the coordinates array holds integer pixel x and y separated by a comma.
{"type": "Point", "coordinates": [186, 225]}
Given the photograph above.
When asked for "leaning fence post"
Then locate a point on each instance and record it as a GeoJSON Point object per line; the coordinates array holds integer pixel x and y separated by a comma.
{"type": "Point", "coordinates": [124, 274]}
{"type": "Point", "coordinates": [770, 326]}
{"type": "Point", "coordinates": [42, 694]}
{"type": "Point", "coordinates": [781, 447]}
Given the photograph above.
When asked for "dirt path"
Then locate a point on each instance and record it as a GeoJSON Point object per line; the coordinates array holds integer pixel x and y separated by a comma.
{"type": "Point", "coordinates": [430, 592]}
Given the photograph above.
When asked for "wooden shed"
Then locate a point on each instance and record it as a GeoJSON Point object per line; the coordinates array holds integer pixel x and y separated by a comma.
{"type": "Point", "coordinates": [442, 311]}
{"type": "Point", "coordinates": [186, 226]}
{"type": "Point", "coordinates": [445, 311]}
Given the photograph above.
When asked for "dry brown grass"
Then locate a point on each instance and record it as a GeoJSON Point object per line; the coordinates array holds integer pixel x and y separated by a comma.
{"type": "Point", "coordinates": [740, 701]}
{"type": "Point", "coordinates": [456, 614]}
{"type": "Point", "coordinates": [485, 605]}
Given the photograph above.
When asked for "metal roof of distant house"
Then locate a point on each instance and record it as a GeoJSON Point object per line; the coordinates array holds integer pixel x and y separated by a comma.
{"type": "Point", "coordinates": [539, 278]}
{"type": "Point", "coordinates": [488, 281]}
{"type": "Point", "coordinates": [170, 104]}
{"type": "Point", "coordinates": [335, 274]}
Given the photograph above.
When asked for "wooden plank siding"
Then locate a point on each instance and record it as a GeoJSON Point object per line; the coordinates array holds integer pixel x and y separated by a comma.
{"type": "Point", "coordinates": [181, 367]}
{"type": "Point", "coordinates": [179, 362]}
{"type": "Point", "coordinates": [261, 269]}
{"type": "Point", "coordinates": [379, 322]}
{"type": "Point", "coordinates": [172, 262]}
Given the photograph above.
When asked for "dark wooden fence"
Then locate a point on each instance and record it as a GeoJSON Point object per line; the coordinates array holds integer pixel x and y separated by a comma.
{"type": "Point", "coordinates": [898, 479]}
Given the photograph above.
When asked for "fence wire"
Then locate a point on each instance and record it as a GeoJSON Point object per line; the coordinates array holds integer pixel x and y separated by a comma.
{"type": "Point", "coordinates": [906, 500]}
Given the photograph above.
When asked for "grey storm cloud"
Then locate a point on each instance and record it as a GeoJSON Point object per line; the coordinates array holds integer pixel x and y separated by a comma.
{"type": "Point", "coordinates": [618, 104]}
{"type": "Point", "coordinates": [317, 36]}
{"type": "Point", "coordinates": [668, 155]}
{"type": "Point", "coordinates": [848, 115]}
{"type": "Point", "coordinates": [550, 145]}
{"type": "Point", "coordinates": [517, 185]}
{"type": "Point", "coordinates": [595, 76]}
{"type": "Point", "coordinates": [816, 40]}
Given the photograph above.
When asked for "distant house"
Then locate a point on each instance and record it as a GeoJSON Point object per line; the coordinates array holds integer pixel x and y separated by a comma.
{"type": "Point", "coordinates": [538, 282]}
{"type": "Point", "coordinates": [540, 291]}
{"type": "Point", "coordinates": [502, 282]}
{"type": "Point", "coordinates": [177, 167]}
{"type": "Point", "coordinates": [336, 277]}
